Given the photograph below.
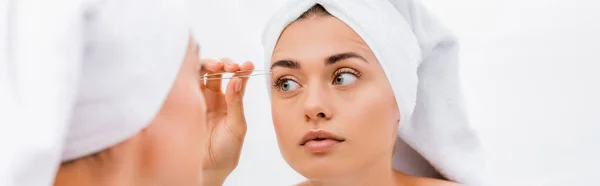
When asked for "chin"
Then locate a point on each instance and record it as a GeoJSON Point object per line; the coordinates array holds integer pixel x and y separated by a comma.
{"type": "Point", "coordinates": [322, 175]}
{"type": "Point", "coordinates": [321, 169]}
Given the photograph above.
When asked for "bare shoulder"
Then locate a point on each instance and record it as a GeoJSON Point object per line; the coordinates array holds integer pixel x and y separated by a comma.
{"type": "Point", "coordinates": [412, 181]}
{"type": "Point", "coordinates": [423, 181]}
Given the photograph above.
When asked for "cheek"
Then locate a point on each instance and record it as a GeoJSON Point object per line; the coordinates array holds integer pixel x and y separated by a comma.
{"type": "Point", "coordinates": [189, 110]}
{"type": "Point", "coordinates": [180, 130]}
{"type": "Point", "coordinates": [370, 117]}
{"type": "Point", "coordinates": [288, 123]}
{"type": "Point", "coordinates": [193, 126]}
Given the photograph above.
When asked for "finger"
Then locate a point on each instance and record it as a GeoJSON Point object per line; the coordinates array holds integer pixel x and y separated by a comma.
{"type": "Point", "coordinates": [213, 64]}
{"type": "Point", "coordinates": [214, 67]}
{"type": "Point", "coordinates": [206, 65]}
{"type": "Point", "coordinates": [230, 66]}
{"type": "Point", "coordinates": [247, 66]}
{"type": "Point", "coordinates": [236, 120]}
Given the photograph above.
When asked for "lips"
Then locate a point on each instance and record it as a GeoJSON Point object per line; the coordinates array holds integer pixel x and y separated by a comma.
{"type": "Point", "coordinates": [318, 141]}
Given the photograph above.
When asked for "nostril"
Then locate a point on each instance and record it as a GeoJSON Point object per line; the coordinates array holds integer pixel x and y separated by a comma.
{"type": "Point", "coordinates": [321, 115]}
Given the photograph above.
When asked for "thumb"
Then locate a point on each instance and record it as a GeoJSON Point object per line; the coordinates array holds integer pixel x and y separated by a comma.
{"type": "Point", "coordinates": [236, 121]}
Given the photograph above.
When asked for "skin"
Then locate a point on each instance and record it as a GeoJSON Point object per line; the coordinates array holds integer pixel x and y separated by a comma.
{"type": "Point", "coordinates": [195, 139]}
{"type": "Point", "coordinates": [227, 124]}
{"type": "Point", "coordinates": [347, 95]}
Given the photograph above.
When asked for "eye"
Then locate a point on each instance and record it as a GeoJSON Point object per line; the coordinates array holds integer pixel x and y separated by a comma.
{"type": "Point", "coordinates": [286, 84]}
{"type": "Point", "coordinates": [346, 77]}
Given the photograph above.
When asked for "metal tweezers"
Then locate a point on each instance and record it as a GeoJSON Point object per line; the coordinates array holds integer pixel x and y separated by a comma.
{"type": "Point", "coordinates": [210, 76]}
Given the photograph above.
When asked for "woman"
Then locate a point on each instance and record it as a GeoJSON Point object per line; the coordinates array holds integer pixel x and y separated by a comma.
{"type": "Point", "coordinates": [350, 77]}
{"type": "Point", "coordinates": [120, 101]}
{"type": "Point", "coordinates": [197, 134]}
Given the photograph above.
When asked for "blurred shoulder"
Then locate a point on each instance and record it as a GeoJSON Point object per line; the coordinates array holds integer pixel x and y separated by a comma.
{"type": "Point", "coordinates": [304, 183]}
{"type": "Point", "coordinates": [420, 181]}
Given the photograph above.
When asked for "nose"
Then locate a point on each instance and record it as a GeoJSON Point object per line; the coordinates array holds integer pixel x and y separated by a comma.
{"type": "Point", "coordinates": [317, 105]}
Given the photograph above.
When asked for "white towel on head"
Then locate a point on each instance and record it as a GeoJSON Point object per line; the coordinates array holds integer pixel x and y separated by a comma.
{"type": "Point", "coordinates": [419, 58]}
{"type": "Point", "coordinates": [85, 75]}
{"type": "Point", "coordinates": [134, 50]}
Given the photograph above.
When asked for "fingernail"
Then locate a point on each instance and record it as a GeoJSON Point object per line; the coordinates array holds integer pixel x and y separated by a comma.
{"type": "Point", "coordinates": [238, 85]}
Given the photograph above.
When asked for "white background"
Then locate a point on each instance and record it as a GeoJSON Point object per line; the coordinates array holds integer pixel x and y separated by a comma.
{"type": "Point", "coordinates": [531, 80]}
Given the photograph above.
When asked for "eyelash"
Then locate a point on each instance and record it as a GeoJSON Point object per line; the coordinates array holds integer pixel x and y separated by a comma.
{"type": "Point", "coordinates": [344, 71]}
{"type": "Point", "coordinates": [279, 81]}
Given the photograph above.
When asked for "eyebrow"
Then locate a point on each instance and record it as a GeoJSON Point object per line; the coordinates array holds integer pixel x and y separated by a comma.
{"type": "Point", "coordinates": [339, 57]}
{"type": "Point", "coordinates": [293, 64]}
{"type": "Point", "coordinates": [286, 63]}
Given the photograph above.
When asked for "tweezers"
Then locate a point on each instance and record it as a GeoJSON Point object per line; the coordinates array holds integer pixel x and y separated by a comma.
{"type": "Point", "coordinates": [208, 76]}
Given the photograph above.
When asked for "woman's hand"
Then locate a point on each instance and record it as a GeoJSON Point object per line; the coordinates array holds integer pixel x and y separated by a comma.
{"type": "Point", "coordinates": [226, 121]}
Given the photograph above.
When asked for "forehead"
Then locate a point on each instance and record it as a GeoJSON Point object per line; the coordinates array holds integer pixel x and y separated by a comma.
{"type": "Point", "coordinates": [318, 37]}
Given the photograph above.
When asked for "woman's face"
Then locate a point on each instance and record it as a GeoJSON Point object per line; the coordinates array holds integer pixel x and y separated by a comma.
{"type": "Point", "coordinates": [333, 109]}
{"type": "Point", "coordinates": [175, 137]}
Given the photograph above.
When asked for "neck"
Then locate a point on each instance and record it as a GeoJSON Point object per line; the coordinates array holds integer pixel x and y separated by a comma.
{"type": "Point", "coordinates": [379, 172]}
{"type": "Point", "coordinates": [116, 166]}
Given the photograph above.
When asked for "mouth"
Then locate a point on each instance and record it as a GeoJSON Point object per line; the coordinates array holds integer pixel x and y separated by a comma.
{"type": "Point", "coordinates": [319, 141]}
